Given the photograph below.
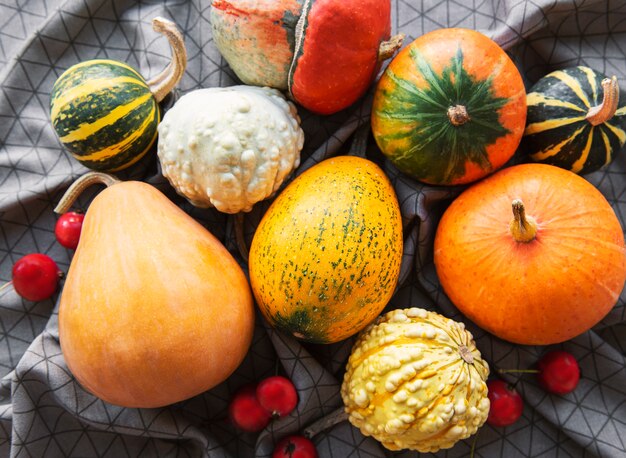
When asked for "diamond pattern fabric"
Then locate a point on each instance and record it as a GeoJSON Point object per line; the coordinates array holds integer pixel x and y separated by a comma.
{"type": "Point", "coordinates": [44, 412]}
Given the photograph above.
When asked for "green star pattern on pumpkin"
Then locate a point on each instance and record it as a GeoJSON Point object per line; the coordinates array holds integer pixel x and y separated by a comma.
{"type": "Point", "coordinates": [439, 149]}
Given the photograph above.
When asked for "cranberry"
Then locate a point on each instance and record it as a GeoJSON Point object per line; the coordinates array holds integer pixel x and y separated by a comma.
{"type": "Point", "coordinates": [506, 404]}
{"type": "Point", "coordinates": [245, 411]}
{"type": "Point", "coordinates": [558, 372]}
{"type": "Point", "coordinates": [295, 447]}
{"type": "Point", "coordinates": [67, 229]}
{"type": "Point", "coordinates": [278, 395]}
{"type": "Point", "coordinates": [35, 277]}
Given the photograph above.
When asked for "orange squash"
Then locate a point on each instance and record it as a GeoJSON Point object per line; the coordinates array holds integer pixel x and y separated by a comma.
{"type": "Point", "coordinates": [533, 254]}
{"type": "Point", "coordinates": [154, 309]}
{"type": "Point", "coordinates": [450, 108]}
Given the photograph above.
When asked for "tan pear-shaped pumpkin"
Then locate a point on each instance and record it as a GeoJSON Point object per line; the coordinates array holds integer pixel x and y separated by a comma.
{"type": "Point", "coordinates": [154, 309]}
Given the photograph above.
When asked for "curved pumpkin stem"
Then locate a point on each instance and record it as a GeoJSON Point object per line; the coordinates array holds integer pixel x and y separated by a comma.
{"type": "Point", "coordinates": [80, 185]}
{"type": "Point", "coordinates": [389, 47]}
{"type": "Point", "coordinates": [605, 111]}
{"type": "Point", "coordinates": [163, 83]}
{"type": "Point", "coordinates": [523, 228]}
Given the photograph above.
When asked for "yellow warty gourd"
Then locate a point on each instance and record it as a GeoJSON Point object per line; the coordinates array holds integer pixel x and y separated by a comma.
{"type": "Point", "coordinates": [415, 380]}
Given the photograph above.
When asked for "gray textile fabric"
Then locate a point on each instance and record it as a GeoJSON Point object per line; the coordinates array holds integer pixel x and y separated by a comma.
{"type": "Point", "coordinates": [45, 413]}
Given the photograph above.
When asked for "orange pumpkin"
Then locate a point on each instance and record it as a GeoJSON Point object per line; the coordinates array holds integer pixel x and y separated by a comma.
{"type": "Point", "coordinates": [533, 254]}
{"type": "Point", "coordinates": [154, 309]}
{"type": "Point", "coordinates": [450, 108]}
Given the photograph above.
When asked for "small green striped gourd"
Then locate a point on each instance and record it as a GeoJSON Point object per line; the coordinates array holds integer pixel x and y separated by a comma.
{"type": "Point", "coordinates": [106, 114]}
{"type": "Point", "coordinates": [574, 120]}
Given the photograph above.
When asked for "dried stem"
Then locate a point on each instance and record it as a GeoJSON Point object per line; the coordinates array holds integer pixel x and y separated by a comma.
{"type": "Point", "coordinates": [389, 47]}
{"type": "Point", "coordinates": [239, 235]}
{"type": "Point", "coordinates": [605, 111]}
{"type": "Point", "coordinates": [163, 83]}
{"type": "Point", "coordinates": [333, 418]}
{"type": "Point", "coordinates": [458, 115]}
{"type": "Point", "coordinates": [80, 185]}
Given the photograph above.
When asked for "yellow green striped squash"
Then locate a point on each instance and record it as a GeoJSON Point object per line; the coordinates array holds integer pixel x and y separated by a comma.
{"type": "Point", "coordinates": [104, 114]}
{"type": "Point", "coordinates": [575, 120]}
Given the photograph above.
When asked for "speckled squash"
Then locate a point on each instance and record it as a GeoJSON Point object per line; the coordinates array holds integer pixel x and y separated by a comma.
{"type": "Point", "coordinates": [575, 120]}
{"type": "Point", "coordinates": [415, 380]}
{"type": "Point", "coordinates": [533, 254]}
{"type": "Point", "coordinates": [325, 258]}
{"type": "Point", "coordinates": [324, 52]}
{"type": "Point", "coordinates": [450, 108]}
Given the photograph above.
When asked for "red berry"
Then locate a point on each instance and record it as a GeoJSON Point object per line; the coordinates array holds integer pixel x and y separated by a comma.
{"type": "Point", "coordinates": [506, 404]}
{"type": "Point", "coordinates": [295, 447]}
{"type": "Point", "coordinates": [278, 395]}
{"type": "Point", "coordinates": [245, 411]}
{"type": "Point", "coordinates": [67, 229]}
{"type": "Point", "coordinates": [558, 372]}
{"type": "Point", "coordinates": [35, 277]}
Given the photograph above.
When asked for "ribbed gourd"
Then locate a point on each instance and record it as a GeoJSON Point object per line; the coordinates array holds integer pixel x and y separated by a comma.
{"type": "Point", "coordinates": [106, 114]}
{"type": "Point", "coordinates": [415, 380]}
{"type": "Point", "coordinates": [575, 120]}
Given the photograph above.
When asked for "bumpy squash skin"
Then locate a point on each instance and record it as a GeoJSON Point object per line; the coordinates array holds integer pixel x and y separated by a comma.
{"type": "Point", "coordinates": [325, 258]}
{"type": "Point", "coordinates": [415, 380]}
{"type": "Point", "coordinates": [104, 114]}
{"type": "Point", "coordinates": [154, 309]}
{"type": "Point", "coordinates": [545, 291]}
{"type": "Point", "coordinates": [337, 56]}
{"type": "Point", "coordinates": [441, 69]}
{"type": "Point", "coordinates": [256, 37]}
{"type": "Point", "coordinates": [557, 132]}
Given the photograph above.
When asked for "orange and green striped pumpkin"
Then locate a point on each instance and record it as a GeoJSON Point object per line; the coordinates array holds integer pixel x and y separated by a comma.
{"type": "Point", "coordinates": [574, 120]}
{"type": "Point", "coordinates": [325, 258]}
{"type": "Point", "coordinates": [450, 108]}
{"type": "Point", "coordinates": [104, 114]}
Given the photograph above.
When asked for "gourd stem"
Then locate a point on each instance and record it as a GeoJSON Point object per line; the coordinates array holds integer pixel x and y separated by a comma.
{"type": "Point", "coordinates": [163, 83]}
{"type": "Point", "coordinates": [6, 285]}
{"type": "Point", "coordinates": [458, 115]}
{"type": "Point", "coordinates": [610, 99]}
{"type": "Point", "coordinates": [239, 236]}
{"type": "Point", "coordinates": [80, 185]}
{"type": "Point", "coordinates": [333, 418]}
{"type": "Point", "coordinates": [517, 371]}
{"type": "Point", "coordinates": [466, 354]}
{"type": "Point", "coordinates": [523, 228]}
{"type": "Point", "coordinates": [389, 47]}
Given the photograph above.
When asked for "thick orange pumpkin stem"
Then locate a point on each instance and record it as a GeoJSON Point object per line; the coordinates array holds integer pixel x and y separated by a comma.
{"type": "Point", "coordinates": [163, 83]}
{"type": "Point", "coordinates": [605, 111]}
{"type": "Point", "coordinates": [389, 47]}
{"type": "Point", "coordinates": [523, 228]}
{"type": "Point", "coordinates": [80, 185]}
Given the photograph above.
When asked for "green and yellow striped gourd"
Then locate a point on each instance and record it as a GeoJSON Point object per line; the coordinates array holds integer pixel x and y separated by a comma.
{"type": "Point", "coordinates": [106, 114]}
{"type": "Point", "coordinates": [574, 120]}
